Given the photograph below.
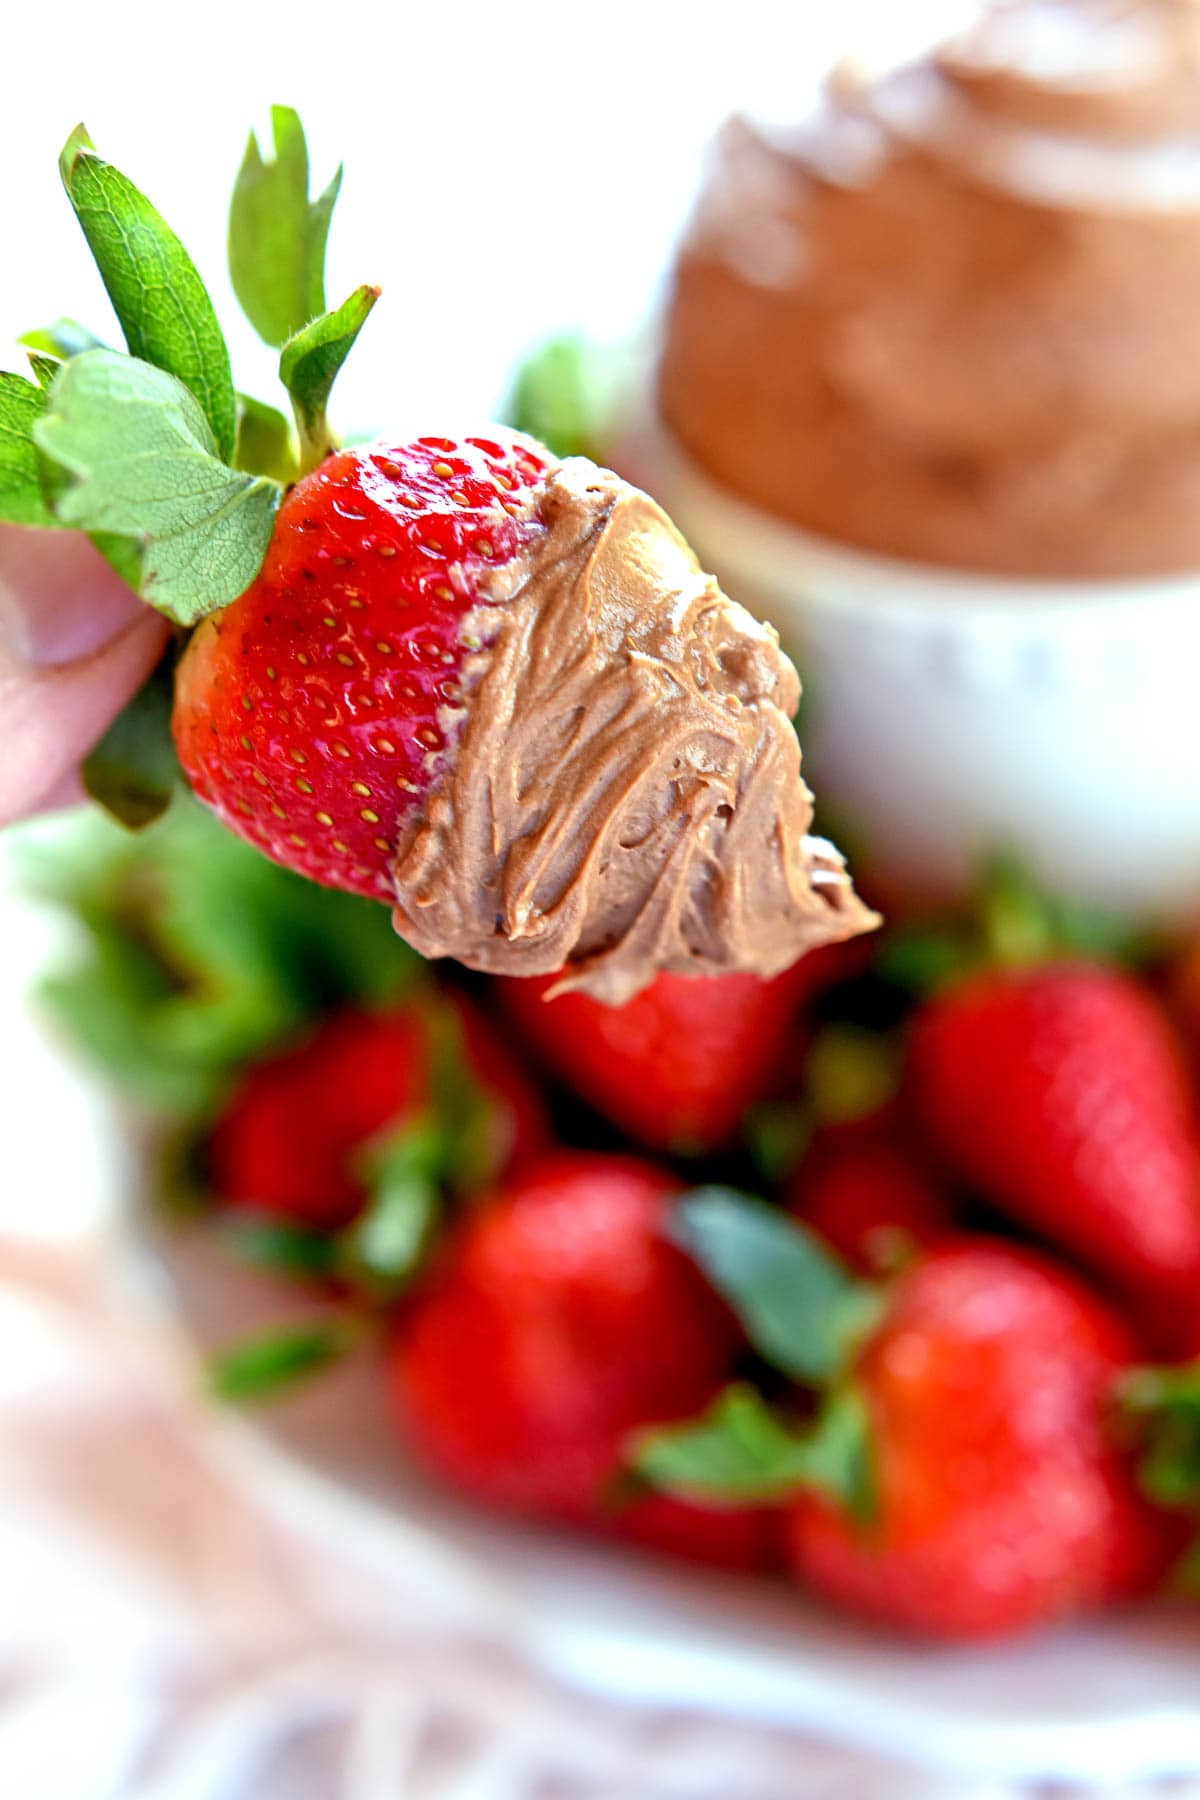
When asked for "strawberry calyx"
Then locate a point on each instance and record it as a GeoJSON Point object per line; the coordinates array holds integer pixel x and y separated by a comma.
{"type": "Point", "coordinates": [200, 959]}
{"type": "Point", "coordinates": [419, 1168]}
{"type": "Point", "coordinates": [743, 1451]}
{"type": "Point", "coordinates": [196, 956]}
{"type": "Point", "coordinates": [807, 1316]}
{"type": "Point", "coordinates": [850, 1074]}
{"type": "Point", "coordinates": [1157, 1419]}
{"type": "Point", "coordinates": [265, 1364]}
{"type": "Point", "coordinates": [151, 451]}
{"type": "Point", "coordinates": [414, 1172]}
{"type": "Point", "coordinates": [1010, 923]}
{"type": "Point", "coordinates": [566, 394]}
{"type": "Point", "coordinates": [277, 234]}
{"type": "Point", "coordinates": [1161, 1407]}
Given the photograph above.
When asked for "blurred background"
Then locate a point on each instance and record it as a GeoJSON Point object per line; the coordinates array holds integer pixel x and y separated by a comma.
{"type": "Point", "coordinates": [510, 177]}
{"type": "Point", "coordinates": [219, 1606]}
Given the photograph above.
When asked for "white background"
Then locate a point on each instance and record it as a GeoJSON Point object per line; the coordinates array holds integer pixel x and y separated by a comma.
{"type": "Point", "coordinates": [510, 169]}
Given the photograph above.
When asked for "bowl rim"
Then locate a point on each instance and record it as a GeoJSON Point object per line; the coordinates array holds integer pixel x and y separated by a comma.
{"type": "Point", "coordinates": [777, 555]}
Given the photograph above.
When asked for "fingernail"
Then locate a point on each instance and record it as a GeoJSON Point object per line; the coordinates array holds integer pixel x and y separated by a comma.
{"type": "Point", "coordinates": [59, 600]}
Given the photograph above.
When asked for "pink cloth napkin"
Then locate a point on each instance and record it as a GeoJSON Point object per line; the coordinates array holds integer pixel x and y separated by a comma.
{"type": "Point", "coordinates": [164, 1638]}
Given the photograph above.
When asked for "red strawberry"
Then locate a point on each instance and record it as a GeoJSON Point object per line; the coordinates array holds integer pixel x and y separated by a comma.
{"type": "Point", "coordinates": [1059, 1093]}
{"type": "Point", "coordinates": [612, 784]}
{"type": "Point", "coordinates": [1000, 1505]}
{"type": "Point", "coordinates": [558, 1319]}
{"type": "Point", "coordinates": [311, 714]}
{"type": "Point", "coordinates": [869, 1198]}
{"type": "Point", "coordinates": [679, 1063]}
{"type": "Point", "coordinates": [736, 1537]}
{"type": "Point", "coordinates": [290, 1139]}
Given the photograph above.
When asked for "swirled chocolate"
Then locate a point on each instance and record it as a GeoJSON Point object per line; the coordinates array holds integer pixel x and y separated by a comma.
{"type": "Point", "coordinates": [957, 318]}
{"type": "Point", "coordinates": [623, 795]}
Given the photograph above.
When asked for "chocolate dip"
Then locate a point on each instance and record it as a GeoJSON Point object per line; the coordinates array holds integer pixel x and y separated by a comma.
{"type": "Point", "coordinates": [624, 795]}
{"type": "Point", "coordinates": [957, 318]}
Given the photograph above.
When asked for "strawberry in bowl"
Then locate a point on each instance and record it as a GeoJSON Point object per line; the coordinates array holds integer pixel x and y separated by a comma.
{"type": "Point", "coordinates": [959, 1478]}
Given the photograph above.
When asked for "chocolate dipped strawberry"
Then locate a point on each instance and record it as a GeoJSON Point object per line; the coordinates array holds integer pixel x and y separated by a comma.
{"type": "Point", "coordinates": [490, 688]}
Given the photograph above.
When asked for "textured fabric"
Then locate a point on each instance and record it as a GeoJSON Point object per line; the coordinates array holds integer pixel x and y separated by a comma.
{"type": "Point", "coordinates": [162, 1638]}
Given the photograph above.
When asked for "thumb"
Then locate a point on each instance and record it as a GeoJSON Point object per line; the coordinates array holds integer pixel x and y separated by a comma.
{"type": "Point", "coordinates": [59, 600]}
{"type": "Point", "coordinates": [75, 644]}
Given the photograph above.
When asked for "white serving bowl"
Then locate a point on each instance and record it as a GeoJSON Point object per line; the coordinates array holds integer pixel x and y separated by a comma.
{"type": "Point", "coordinates": [949, 714]}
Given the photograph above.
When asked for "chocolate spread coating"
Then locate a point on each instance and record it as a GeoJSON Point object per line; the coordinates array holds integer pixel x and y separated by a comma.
{"type": "Point", "coordinates": [624, 792]}
{"type": "Point", "coordinates": [957, 317]}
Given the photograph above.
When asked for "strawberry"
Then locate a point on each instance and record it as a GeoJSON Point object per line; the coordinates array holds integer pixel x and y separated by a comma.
{"type": "Point", "coordinates": [292, 1137]}
{"type": "Point", "coordinates": [453, 674]}
{"type": "Point", "coordinates": [999, 1503]}
{"type": "Point", "coordinates": [742, 1538]}
{"type": "Point", "coordinates": [1059, 1093]}
{"type": "Point", "coordinates": [958, 1478]}
{"type": "Point", "coordinates": [557, 1318]}
{"type": "Point", "coordinates": [678, 1064]}
{"type": "Point", "coordinates": [869, 1198]}
{"type": "Point", "coordinates": [311, 714]}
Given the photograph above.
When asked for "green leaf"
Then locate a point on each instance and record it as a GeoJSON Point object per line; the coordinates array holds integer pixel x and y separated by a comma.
{"type": "Point", "coordinates": [741, 1452]}
{"type": "Point", "coordinates": [798, 1306]}
{"type": "Point", "coordinates": [841, 1458]}
{"type": "Point", "coordinates": [45, 369]}
{"type": "Point", "coordinates": [277, 236]}
{"type": "Point", "coordinates": [465, 1111]}
{"type": "Point", "coordinates": [562, 394]}
{"type": "Point", "coordinates": [309, 364]}
{"type": "Point", "coordinates": [266, 443]}
{"type": "Point", "coordinates": [925, 958]}
{"type": "Point", "coordinates": [1185, 1576]}
{"type": "Point", "coordinates": [133, 771]}
{"type": "Point", "coordinates": [777, 1134]}
{"type": "Point", "coordinates": [259, 1367]}
{"type": "Point", "coordinates": [737, 1451]}
{"type": "Point", "coordinates": [1011, 923]}
{"type": "Point", "coordinates": [136, 458]}
{"type": "Point", "coordinates": [403, 1170]}
{"type": "Point", "coordinates": [65, 338]}
{"type": "Point", "coordinates": [849, 1073]}
{"type": "Point", "coordinates": [108, 1004]}
{"type": "Point", "coordinates": [63, 341]}
{"type": "Point", "coordinates": [123, 555]}
{"type": "Point", "coordinates": [197, 954]}
{"type": "Point", "coordinates": [1160, 1409]}
{"type": "Point", "coordinates": [160, 300]}
{"type": "Point", "coordinates": [1016, 919]}
{"type": "Point", "coordinates": [297, 1251]}
{"type": "Point", "coordinates": [22, 501]}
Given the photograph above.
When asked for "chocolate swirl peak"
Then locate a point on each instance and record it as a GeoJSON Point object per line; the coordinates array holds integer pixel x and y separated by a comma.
{"type": "Point", "coordinates": [624, 791]}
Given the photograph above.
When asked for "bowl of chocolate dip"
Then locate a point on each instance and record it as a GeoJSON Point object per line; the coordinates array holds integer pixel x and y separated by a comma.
{"type": "Point", "coordinates": [929, 398]}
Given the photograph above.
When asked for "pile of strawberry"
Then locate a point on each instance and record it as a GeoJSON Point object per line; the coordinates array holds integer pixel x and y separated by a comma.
{"type": "Point", "coordinates": [884, 1275]}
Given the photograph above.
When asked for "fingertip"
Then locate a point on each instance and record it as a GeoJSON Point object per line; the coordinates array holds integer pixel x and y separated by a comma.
{"type": "Point", "coordinates": [59, 599]}
{"type": "Point", "coordinates": [52, 717]}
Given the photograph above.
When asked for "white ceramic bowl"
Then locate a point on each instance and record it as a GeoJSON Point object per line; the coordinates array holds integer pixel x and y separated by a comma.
{"type": "Point", "coordinates": [948, 714]}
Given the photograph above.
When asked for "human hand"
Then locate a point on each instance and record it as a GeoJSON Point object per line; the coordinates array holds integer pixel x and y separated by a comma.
{"type": "Point", "coordinates": [75, 643]}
